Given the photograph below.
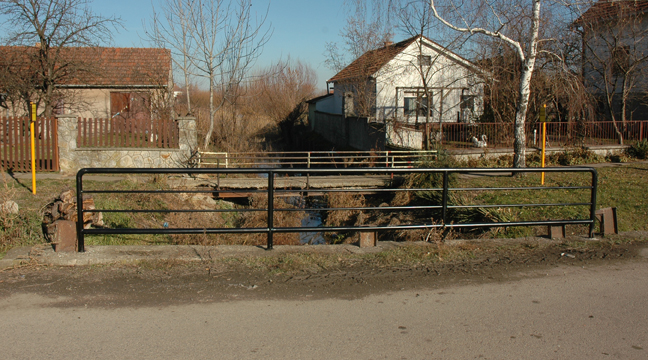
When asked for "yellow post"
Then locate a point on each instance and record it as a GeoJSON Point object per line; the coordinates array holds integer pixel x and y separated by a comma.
{"type": "Point", "coordinates": [33, 147]}
{"type": "Point", "coordinates": [543, 119]}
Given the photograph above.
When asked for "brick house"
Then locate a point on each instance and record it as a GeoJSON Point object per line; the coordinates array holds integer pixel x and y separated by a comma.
{"type": "Point", "coordinates": [102, 82]}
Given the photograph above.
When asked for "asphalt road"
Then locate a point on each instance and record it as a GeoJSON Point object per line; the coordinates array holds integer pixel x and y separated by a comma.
{"type": "Point", "coordinates": [564, 312]}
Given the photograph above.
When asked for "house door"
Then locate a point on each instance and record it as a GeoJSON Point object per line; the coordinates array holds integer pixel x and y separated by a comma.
{"type": "Point", "coordinates": [15, 142]}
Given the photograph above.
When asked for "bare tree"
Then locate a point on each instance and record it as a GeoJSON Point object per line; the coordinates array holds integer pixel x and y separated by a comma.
{"type": "Point", "coordinates": [494, 18]}
{"type": "Point", "coordinates": [172, 29]}
{"type": "Point", "coordinates": [615, 57]}
{"type": "Point", "coordinates": [19, 78]}
{"type": "Point", "coordinates": [416, 18]}
{"type": "Point", "coordinates": [283, 86]}
{"type": "Point", "coordinates": [53, 25]}
{"type": "Point", "coordinates": [375, 21]}
{"type": "Point", "coordinates": [228, 39]}
{"type": "Point", "coordinates": [367, 28]}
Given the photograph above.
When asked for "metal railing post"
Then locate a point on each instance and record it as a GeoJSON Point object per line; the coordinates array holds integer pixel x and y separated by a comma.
{"type": "Point", "coordinates": [79, 224]}
{"type": "Point", "coordinates": [593, 202]}
{"type": "Point", "coordinates": [641, 130]}
{"type": "Point", "coordinates": [270, 208]}
{"type": "Point", "coordinates": [308, 173]}
{"type": "Point", "coordinates": [445, 197]}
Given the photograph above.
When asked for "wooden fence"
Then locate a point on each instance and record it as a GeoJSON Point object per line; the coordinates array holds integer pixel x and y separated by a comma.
{"type": "Point", "coordinates": [15, 139]}
{"type": "Point", "coordinates": [119, 132]}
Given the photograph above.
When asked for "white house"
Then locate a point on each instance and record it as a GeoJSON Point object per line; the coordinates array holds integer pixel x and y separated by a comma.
{"type": "Point", "coordinates": [408, 86]}
{"type": "Point", "coordinates": [413, 81]}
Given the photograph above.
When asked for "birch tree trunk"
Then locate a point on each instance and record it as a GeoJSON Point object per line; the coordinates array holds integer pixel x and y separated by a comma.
{"type": "Point", "coordinates": [526, 56]}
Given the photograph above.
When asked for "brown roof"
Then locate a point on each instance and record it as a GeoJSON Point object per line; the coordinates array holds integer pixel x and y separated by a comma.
{"type": "Point", "coordinates": [610, 9]}
{"type": "Point", "coordinates": [371, 61]}
{"type": "Point", "coordinates": [109, 67]}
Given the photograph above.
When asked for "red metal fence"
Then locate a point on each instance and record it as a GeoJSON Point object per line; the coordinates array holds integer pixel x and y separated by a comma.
{"type": "Point", "coordinates": [118, 132]}
{"type": "Point", "coordinates": [15, 154]}
{"type": "Point", "coordinates": [500, 135]}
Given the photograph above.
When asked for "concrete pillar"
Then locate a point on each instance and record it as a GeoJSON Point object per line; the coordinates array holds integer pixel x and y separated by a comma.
{"type": "Point", "coordinates": [188, 135]}
{"type": "Point", "coordinates": [67, 143]}
{"type": "Point", "coordinates": [187, 141]}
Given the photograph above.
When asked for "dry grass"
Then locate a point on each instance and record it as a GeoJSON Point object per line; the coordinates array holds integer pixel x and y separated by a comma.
{"type": "Point", "coordinates": [259, 219]}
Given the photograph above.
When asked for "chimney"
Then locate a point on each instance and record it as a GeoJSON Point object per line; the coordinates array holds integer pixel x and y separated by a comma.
{"type": "Point", "coordinates": [388, 43]}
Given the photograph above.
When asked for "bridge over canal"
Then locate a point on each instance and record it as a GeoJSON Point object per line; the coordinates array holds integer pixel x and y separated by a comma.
{"type": "Point", "coordinates": [228, 187]}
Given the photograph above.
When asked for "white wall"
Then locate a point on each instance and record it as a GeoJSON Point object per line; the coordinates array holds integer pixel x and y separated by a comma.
{"type": "Point", "coordinates": [402, 75]}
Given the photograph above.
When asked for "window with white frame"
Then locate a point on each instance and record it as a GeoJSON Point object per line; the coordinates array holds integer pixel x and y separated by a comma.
{"type": "Point", "coordinates": [417, 106]}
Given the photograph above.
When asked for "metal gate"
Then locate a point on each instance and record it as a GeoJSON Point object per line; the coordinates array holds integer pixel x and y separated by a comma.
{"type": "Point", "coordinates": [15, 142]}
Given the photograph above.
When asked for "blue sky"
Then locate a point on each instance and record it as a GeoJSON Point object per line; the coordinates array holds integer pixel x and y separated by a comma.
{"type": "Point", "coordinates": [301, 28]}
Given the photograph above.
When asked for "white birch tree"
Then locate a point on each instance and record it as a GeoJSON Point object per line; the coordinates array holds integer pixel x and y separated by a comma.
{"type": "Point", "coordinates": [492, 18]}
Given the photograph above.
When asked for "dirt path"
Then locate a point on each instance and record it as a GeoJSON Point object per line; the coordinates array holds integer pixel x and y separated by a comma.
{"type": "Point", "coordinates": [162, 283]}
{"type": "Point", "coordinates": [545, 306]}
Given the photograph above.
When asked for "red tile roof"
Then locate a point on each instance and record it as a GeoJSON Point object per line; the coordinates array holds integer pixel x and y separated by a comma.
{"type": "Point", "coordinates": [110, 67]}
{"type": "Point", "coordinates": [611, 9]}
{"type": "Point", "coordinates": [371, 61]}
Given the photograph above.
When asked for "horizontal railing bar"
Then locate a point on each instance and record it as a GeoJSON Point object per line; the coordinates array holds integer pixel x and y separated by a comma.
{"type": "Point", "coordinates": [173, 191]}
{"type": "Point", "coordinates": [384, 152]}
{"type": "Point", "coordinates": [171, 210]}
{"type": "Point", "coordinates": [515, 205]}
{"type": "Point", "coordinates": [148, 191]}
{"type": "Point", "coordinates": [522, 188]}
{"type": "Point", "coordinates": [323, 171]}
{"type": "Point", "coordinates": [312, 189]}
{"type": "Point", "coordinates": [428, 226]}
{"type": "Point", "coordinates": [420, 207]}
{"type": "Point", "coordinates": [161, 231]}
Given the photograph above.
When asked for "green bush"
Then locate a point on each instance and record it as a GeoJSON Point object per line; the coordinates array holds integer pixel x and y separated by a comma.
{"type": "Point", "coordinates": [639, 149]}
{"type": "Point", "coordinates": [578, 156]}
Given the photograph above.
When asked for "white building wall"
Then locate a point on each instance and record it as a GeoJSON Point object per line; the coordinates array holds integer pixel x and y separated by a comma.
{"type": "Point", "coordinates": [402, 75]}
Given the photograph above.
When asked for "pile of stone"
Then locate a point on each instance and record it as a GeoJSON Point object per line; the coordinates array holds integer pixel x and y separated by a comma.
{"type": "Point", "coordinates": [60, 217]}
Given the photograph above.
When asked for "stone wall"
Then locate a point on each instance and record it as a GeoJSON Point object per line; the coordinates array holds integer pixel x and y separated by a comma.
{"type": "Point", "coordinates": [72, 158]}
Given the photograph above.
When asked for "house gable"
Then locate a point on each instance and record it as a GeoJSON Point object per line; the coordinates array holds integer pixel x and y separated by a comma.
{"type": "Point", "coordinates": [372, 62]}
